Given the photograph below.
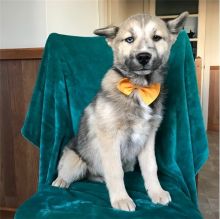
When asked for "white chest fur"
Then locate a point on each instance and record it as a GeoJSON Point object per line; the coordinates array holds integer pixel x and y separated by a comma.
{"type": "Point", "coordinates": [136, 134]}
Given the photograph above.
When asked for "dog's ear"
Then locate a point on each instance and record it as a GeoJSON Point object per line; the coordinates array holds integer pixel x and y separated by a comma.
{"type": "Point", "coordinates": [177, 24]}
{"type": "Point", "coordinates": [109, 32]}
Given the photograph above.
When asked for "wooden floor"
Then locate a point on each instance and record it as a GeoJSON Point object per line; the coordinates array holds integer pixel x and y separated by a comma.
{"type": "Point", "coordinates": [209, 180]}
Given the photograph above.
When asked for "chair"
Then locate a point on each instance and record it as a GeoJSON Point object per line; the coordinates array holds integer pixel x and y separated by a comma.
{"type": "Point", "coordinates": [69, 78]}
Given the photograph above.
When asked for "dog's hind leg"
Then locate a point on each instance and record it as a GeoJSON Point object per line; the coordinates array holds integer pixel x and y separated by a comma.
{"type": "Point", "coordinates": [70, 168]}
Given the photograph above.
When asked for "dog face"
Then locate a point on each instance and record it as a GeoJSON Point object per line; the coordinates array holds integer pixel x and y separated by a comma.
{"type": "Point", "coordinates": [142, 43]}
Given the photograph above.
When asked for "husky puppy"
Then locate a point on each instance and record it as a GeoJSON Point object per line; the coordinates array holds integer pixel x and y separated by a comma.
{"type": "Point", "coordinates": [117, 129]}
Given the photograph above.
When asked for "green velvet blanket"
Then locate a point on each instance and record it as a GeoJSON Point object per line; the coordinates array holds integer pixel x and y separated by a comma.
{"type": "Point", "coordinates": [69, 78]}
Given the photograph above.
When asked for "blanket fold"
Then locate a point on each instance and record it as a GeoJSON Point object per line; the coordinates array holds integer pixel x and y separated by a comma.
{"type": "Point", "coordinates": [69, 78]}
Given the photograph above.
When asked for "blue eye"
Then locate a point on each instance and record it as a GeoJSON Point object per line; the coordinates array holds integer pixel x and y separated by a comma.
{"type": "Point", "coordinates": [129, 40]}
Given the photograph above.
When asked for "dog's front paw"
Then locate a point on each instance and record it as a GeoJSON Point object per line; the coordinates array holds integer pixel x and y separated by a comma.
{"type": "Point", "coordinates": [124, 204]}
{"type": "Point", "coordinates": [159, 196]}
{"type": "Point", "coordinates": [59, 182]}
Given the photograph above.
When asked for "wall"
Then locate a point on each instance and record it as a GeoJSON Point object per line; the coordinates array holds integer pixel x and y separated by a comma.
{"type": "Point", "coordinates": [22, 23]}
{"type": "Point", "coordinates": [211, 49]}
{"type": "Point", "coordinates": [27, 23]}
{"type": "Point", "coordinates": [76, 17]}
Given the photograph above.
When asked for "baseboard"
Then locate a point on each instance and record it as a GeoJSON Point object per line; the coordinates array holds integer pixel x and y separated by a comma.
{"type": "Point", "coordinates": [21, 53]}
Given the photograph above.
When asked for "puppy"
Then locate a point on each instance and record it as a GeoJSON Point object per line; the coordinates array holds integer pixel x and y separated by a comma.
{"type": "Point", "coordinates": [119, 126]}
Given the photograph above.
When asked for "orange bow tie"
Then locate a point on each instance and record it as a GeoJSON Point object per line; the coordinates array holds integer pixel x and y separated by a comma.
{"type": "Point", "coordinates": [148, 94]}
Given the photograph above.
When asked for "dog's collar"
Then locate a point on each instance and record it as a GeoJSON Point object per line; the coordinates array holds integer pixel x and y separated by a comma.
{"type": "Point", "coordinates": [118, 70]}
{"type": "Point", "coordinates": [147, 77]}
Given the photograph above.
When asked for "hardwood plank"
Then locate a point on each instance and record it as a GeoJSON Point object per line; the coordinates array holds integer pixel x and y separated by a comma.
{"type": "Point", "coordinates": [7, 214]}
{"type": "Point", "coordinates": [213, 110]}
{"type": "Point", "coordinates": [21, 53]}
{"type": "Point", "coordinates": [6, 139]}
{"type": "Point", "coordinates": [18, 158]}
{"type": "Point", "coordinates": [28, 82]}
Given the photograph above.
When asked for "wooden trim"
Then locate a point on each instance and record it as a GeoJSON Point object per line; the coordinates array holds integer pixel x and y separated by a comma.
{"type": "Point", "coordinates": [198, 64]}
{"type": "Point", "coordinates": [7, 209]}
{"type": "Point", "coordinates": [214, 67]}
{"type": "Point", "coordinates": [103, 13]}
{"type": "Point", "coordinates": [21, 53]}
{"type": "Point", "coordinates": [152, 7]}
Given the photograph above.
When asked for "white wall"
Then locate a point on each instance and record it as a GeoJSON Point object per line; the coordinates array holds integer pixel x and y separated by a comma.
{"type": "Point", "coordinates": [22, 23]}
{"type": "Point", "coordinates": [27, 23]}
{"type": "Point", "coordinates": [76, 17]}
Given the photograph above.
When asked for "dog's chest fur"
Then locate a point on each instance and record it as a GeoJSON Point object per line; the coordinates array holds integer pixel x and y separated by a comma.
{"type": "Point", "coordinates": [137, 120]}
{"type": "Point", "coordinates": [133, 117]}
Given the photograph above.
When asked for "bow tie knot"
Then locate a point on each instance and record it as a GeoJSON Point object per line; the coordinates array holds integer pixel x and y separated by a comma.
{"type": "Point", "coordinates": [148, 94]}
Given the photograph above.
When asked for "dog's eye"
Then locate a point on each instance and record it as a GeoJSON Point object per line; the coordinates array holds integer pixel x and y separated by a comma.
{"type": "Point", "coordinates": [156, 38]}
{"type": "Point", "coordinates": [129, 40]}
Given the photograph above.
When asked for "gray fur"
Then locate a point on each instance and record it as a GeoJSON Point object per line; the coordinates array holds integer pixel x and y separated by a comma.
{"type": "Point", "coordinates": [116, 119]}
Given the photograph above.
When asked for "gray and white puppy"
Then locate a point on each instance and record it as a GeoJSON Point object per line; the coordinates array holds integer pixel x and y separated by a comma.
{"type": "Point", "coordinates": [116, 130]}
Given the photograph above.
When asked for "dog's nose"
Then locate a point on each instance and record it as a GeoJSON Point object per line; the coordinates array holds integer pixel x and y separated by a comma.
{"type": "Point", "coordinates": [143, 58]}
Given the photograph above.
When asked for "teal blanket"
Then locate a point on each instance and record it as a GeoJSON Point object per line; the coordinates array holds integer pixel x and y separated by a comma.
{"type": "Point", "coordinates": [69, 78]}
